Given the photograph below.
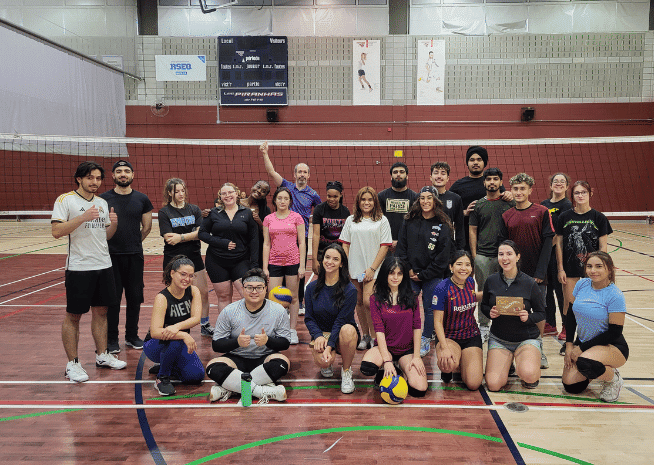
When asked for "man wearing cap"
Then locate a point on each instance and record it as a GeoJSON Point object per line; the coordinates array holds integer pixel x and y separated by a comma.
{"type": "Point", "coordinates": [397, 200]}
{"type": "Point", "coordinates": [452, 204]}
{"type": "Point", "coordinates": [471, 188]}
{"type": "Point", "coordinates": [134, 211]}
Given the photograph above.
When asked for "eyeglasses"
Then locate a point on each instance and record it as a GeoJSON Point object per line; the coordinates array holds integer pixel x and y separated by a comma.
{"type": "Point", "coordinates": [556, 181]}
{"type": "Point", "coordinates": [580, 193]}
{"type": "Point", "coordinates": [185, 275]}
{"type": "Point", "coordinates": [251, 289]}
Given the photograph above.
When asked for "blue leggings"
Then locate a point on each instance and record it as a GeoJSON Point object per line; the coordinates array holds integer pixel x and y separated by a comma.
{"type": "Point", "coordinates": [175, 360]}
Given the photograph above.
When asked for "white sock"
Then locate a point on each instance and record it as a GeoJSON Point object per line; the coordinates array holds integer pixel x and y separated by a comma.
{"type": "Point", "coordinates": [233, 381]}
{"type": "Point", "coordinates": [260, 377]}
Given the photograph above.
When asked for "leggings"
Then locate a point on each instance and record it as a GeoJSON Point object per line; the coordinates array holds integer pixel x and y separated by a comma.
{"type": "Point", "coordinates": [175, 360]}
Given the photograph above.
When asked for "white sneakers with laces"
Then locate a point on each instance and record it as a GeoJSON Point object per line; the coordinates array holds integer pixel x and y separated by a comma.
{"type": "Point", "coordinates": [75, 372]}
{"type": "Point", "coordinates": [219, 393]}
{"type": "Point", "coordinates": [269, 391]}
{"type": "Point", "coordinates": [107, 360]}
{"type": "Point", "coordinates": [347, 384]}
{"type": "Point", "coordinates": [611, 390]}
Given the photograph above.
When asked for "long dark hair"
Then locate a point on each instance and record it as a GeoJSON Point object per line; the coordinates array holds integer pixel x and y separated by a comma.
{"type": "Point", "coordinates": [175, 264]}
{"type": "Point", "coordinates": [343, 277]}
{"type": "Point", "coordinates": [416, 211]}
{"type": "Point", "coordinates": [405, 296]}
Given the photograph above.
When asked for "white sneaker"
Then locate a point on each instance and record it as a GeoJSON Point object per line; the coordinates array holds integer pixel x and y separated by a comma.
{"type": "Point", "coordinates": [327, 372]}
{"type": "Point", "coordinates": [75, 372]}
{"type": "Point", "coordinates": [219, 393]}
{"type": "Point", "coordinates": [347, 384]}
{"type": "Point", "coordinates": [363, 344]}
{"type": "Point", "coordinates": [611, 390]}
{"type": "Point", "coordinates": [301, 310]}
{"type": "Point", "coordinates": [544, 364]}
{"type": "Point", "coordinates": [269, 391]}
{"type": "Point", "coordinates": [485, 333]}
{"type": "Point", "coordinates": [425, 346]}
{"type": "Point", "coordinates": [294, 338]}
{"type": "Point", "coordinates": [107, 360]}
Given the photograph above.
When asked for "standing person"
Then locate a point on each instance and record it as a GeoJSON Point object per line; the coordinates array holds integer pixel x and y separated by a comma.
{"type": "Point", "coordinates": [598, 318]}
{"type": "Point", "coordinates": [233, 238]}
{"type": "Point", "coordinates": [556, 204]}
{"type": "Point", "coordinates": [459, 340]}
{"type": "Point", "coordinates": [484, 230]}
{"type": "Point", "coordinates": [330, 304]}
{"type": "Point", "coordinates": [366, 238]}
{"type": "Point", "coordinates": [251, 333]}
{"type": "Point", "coordinates": [304, 200]}
{"type": "Point", "coordinates": [361, 71]}
{"type": "Point", "coordinates": [283, 250]}
{"type": "Point", "coordinates": [529, 225]}
{"type": "Point", "coordinates": [396, 318]}
{"type": "Point", "coordinates": [328, 221]}
{"type": "Point", "coordinates": [134, 211]}
{"type": "Point", "coordinates": [452, 203]}
{"type": "Point", "coordinates": [426, 244]}
{"type": "Point", "coordinates": [471, 188]}
{"type": "Point", "coordinates": [579, 231]}
{"type": "Point", "coordinates": [87, 221]}
{"type": "Point", "coordinates": [175, 311]}
{"type": "Point", "coordinates": [513, 337]}
{"type": "Point", "coordinates": [256, 202]}
{"type": "Point", "coordinates": [396, 201]}
{"type": "Point", "coordinates": [179, 223]}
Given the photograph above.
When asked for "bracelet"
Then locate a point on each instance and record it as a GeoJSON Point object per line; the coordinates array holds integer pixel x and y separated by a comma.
{"type": "Point", "coordinates": [373, 269]}
{"type": "Point", "coordinates": [388, 361]}
{"type": "Point", "coordinates": [181, 239]}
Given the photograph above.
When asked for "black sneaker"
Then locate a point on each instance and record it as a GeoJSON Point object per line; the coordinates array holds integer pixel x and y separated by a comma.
{"type": "Point", "coordinates": [533, 385]}
{"type": "Point", "coordinates": [446, 377]}
{"type": "Point", "coordinates": [512, 370]}
{"type": "Point", "coordinates": [378, 377]}
{"type": "Point", "coordinates": [562, 351]}
{"type": "Point", "coordinates": [164, 386]}
{"type": "Point", "coordinates": [206, 329]}
{"type": "Point", "coordinates": [113, 347]}
{"type": "Point", "coordinates": [154, 369]}
{"type": "Point", "coordinates": [134, 342]}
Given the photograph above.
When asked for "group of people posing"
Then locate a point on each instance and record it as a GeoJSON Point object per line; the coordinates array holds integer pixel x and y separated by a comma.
{"type": "Point", "coordinates": [399, 251]}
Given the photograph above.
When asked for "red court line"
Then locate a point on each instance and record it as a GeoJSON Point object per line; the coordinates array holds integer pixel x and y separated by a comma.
{"type": "Point", "coordinates": [635, 274]}
{"type": "Point", "coordinates": [318, 401]}
{"type": "Point", "coordinates": [598, 405]}
{"type": "Point", "coordinates": [30, 306]}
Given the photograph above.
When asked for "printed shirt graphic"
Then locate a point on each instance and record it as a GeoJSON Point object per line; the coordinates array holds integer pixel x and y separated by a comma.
{"type": "Point", "coordinates": [87, 245]}
{"type": "Point", "coordinates": [580, 235]}
{"type": "Point", "coordinates": [459, 306]}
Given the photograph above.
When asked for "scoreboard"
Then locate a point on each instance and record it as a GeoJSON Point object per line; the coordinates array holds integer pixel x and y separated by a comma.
{"type": "Point", "coordinates": [253, 70]}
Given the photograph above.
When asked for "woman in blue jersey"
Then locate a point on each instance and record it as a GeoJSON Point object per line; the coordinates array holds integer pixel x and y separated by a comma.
{"type": "Point", "coordinates": [459, 340]}
{"type": "Point", "coordinates": [598, 317]}
{"type": "Point", "coordinates": [176, 310]}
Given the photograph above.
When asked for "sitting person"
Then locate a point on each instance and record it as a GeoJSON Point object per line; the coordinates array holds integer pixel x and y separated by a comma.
{"type": "Point", "coordinates": [176, 310]}
{"type": "Point", "coordinates": [251, 332]}
{"type": "Point", "coordinates": [396, 318]}
{"type": "Point", "coordinates": [330, 302]}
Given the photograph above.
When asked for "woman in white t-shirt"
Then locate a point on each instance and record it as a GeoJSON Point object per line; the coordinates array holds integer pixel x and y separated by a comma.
{"type": "Point", "coordinates": [366, 237]}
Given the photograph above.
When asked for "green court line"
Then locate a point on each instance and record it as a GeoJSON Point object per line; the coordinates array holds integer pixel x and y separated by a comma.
{"type": "Point", "coordinates": [32, 251]}
{"type": "Point", "coordinates": [39, 414]}
{"type": "Point", "coordinates": [554, 454]}
{"type": "Point", "coordinates": [633, 234]}
{"type": "Point", "coordinates": [617, 247]}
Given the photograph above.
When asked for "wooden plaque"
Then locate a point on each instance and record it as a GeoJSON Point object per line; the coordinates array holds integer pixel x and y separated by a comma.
{"type": "Point", "coordinates": [508, 305]}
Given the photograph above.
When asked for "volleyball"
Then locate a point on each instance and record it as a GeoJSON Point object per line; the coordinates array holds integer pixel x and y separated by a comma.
{"type": "Point", "coordinates": [282, 295]}
{"type": "Point", "coordinates": [393, 390]}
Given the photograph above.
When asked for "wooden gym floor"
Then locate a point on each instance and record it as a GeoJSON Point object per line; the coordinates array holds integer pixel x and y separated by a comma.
{"type": "Point", "coordinates": [117, 416]}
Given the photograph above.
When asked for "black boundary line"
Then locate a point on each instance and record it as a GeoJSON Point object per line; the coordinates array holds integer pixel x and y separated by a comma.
{"type": "Point", "coordinates": [500, 426]}
{"type": "Point", "coordinates": [143, 419]}
{"type": "Point", "coordinates": [642, 396]}
{"type": "Point", "coordinates": [641, 317]}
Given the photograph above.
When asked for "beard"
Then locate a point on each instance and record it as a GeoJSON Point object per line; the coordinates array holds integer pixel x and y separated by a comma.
{"type": "Point", "coordinates": [120, 183]}
{"type": "Point", "coordinates": [476, 172]}
{"type": "Point", "coordinates": [492, 188]}
{"type": "Point", "coordinates": [399, 184]}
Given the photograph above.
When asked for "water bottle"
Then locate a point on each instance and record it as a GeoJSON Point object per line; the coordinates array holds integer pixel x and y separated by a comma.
{"type": "Point", "coordinates": [246, 389]}
{"type": "Point", "coordinates": [362, 277]}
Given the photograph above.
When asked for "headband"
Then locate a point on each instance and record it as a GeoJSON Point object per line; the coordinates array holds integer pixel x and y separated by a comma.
{"type": "Point", "coordinates": [335, 185]}
{"type": "Point", "coordinates": [254, 279]}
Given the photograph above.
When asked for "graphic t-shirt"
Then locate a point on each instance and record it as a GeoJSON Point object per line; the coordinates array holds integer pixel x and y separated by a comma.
{"type": "Point", "coordinates": [331, 223]}
{"type": "Point", "coordinates": [183, 220]}
{"type": "Point", "coordinates": [459, 306]}
{"type": "Point", "coordinates": [580, 233]}
{"type": "Point", "coordinates": [395, 205]}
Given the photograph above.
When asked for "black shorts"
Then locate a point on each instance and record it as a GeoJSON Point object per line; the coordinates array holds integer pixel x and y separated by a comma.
{"type": "Point", "coordinates": [362, 72]}
{"type": "Point", "coordinates": [474, 341]}
{"type": "Point", "coordinates": [397, 357]}
{"type": "Point", "coordinates": [246, 365]}
{"type": "Point", "coordinates": [220, 271]}
{"type": "Point", "coordinates": [196, 258]}
{"type": "Point", "coordinates": [279, 271]}
{"type": "Point", "coordinates": [327, 334]}
{"type": "Point", "coordinates": [86, 289]}
{"type": "Point", "coordinates": [620, 344]}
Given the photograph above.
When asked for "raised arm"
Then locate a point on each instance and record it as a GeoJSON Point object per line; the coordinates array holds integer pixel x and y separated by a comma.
{"type": "Point", "coordinates": [270, 169]}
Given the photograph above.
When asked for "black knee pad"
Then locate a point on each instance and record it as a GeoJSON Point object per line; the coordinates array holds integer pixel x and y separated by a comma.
{"type": "Point", "coordinates": [591, 369]}
{"type": "Point", "coordinates": [369, 368]}
{"type": "Point", "coordinates": [576, 388]}
{"type": "Point", "coordinates": [276, 368]}
{"type": "Point", "coordinates": [413, 392]}
{"type": "Point", "coordinates": [219, 371]}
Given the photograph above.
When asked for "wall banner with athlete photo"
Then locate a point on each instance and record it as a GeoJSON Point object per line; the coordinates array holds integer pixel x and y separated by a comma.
{"type": "Point", "coordinates": [430, 89]}
{"type": "Point", "coordinates": [366, 72]}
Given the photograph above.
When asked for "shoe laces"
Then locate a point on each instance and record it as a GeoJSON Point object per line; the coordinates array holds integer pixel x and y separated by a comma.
{"type": "Point", "coordinates": [263, 400]}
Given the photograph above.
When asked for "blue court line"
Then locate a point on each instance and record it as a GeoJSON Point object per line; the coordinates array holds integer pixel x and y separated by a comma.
{"type": "Point", "coordinates": [642, 396]}
{"type": "Point", "coordinates": [143, 419]}
{"type": "Point", "coordinates": [500, 425]}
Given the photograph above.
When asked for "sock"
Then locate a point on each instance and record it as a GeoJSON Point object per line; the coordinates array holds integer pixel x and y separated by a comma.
{"type": "Point", "coordinates": [270, 372]}
{"type": "Point", "coordinates": [233, 381]}
{"type": "Point", "coordinates": [204, 320]}
{"type": "Point", "coordinates": [260, 377]}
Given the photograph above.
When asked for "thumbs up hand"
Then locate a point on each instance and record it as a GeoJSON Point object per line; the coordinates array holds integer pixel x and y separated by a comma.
{"type": "Point", "coordinates": [243, 339]}
{"type": "Point", "coordinates": [261, 338]}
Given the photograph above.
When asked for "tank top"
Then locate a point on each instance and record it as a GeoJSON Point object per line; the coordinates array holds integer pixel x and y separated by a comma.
{"type": "Point", "coordinates": [177, 310]}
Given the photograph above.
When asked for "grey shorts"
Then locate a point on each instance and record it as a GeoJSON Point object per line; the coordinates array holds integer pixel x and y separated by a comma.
{"type": "Point", "coordinates": [495, 342]}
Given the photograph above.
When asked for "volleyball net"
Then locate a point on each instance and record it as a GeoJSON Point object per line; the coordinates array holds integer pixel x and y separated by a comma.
{"type": "Point", "coordinates": [39, 168]}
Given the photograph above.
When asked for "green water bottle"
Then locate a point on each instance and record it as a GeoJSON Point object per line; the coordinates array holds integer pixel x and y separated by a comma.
{"type": "Point", "coordinates": [246, 389]}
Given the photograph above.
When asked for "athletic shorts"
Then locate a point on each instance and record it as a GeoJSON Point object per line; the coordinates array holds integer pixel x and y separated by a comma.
{"type": "Point", "coordinates": [620, 344]}
{"type": "Point", "coordinates": [495, 342]}
{"type": "Point", "coordinates": [397, 357]}
{"type": "Point", "coordinates": [327, 334]}
{"type": "Point", "coordinates": [196, 258]}
{"type": "Point", "coordinates": [246, 365]}
{"type": "Point", "coordinates": [220, 271]}
{"type": "Point", "coordinates": [86, 289]}
{"type": "Point", "coordinates": [474, 341]}
{"type": "Point", "coordinates": [279, 271]}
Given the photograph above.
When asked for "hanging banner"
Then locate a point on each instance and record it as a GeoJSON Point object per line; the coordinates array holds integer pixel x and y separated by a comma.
{"type": "Point", "coordinates": [431, 72]}
{"type": "Point", "coordinates": [366, 76]}
{"type": "Point", "coordinates": [181, 67]}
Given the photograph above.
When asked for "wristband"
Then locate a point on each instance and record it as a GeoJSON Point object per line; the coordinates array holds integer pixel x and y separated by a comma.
{"type": "Point", "coordinates": [388, 361]}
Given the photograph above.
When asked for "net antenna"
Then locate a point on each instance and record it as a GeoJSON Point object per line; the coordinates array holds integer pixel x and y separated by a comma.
{"type": "Point", "coordinates": [159, 108]}
{"type": "Point", "coordinates": [205, 10]}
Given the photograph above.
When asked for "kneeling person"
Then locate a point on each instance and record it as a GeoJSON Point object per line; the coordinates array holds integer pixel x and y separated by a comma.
{"type": "Point", "coordinates": [251, 332]}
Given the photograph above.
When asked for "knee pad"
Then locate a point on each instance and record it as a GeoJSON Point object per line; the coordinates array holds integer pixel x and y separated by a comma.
{"type": "Point", "coordinates": [591, 369]}
{"type": "Point", "coordinates": [369, 369]}
{"type": "Point", "coordinates": [413, 392]}
{"type": "Point", "coordinates": [576, 388]}
{"type": "Point", "coordinates": [219, 372]}
{"type": "Point", "coordinates": [276, 368]}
